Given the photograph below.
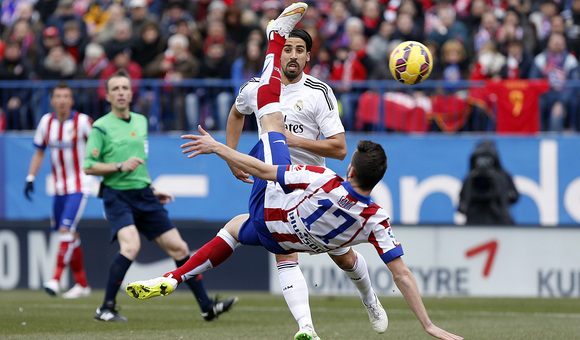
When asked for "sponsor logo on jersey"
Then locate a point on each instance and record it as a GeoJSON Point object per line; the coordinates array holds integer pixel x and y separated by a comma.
{"type": "Point", "coordinates": [345, 203]}
{"type": "Point", "coordinates": [294, 128]}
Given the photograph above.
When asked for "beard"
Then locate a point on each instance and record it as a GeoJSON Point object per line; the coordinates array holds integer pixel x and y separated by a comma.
{"type": "Point", "coordinates": [293, 74]}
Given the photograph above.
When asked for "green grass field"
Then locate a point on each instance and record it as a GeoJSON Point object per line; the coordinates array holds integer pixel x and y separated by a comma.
{"type": "Point", "coordinates": [26, 314]}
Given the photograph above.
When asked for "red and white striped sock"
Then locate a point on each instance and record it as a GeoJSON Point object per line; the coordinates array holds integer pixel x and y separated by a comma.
{"type": "Point", "coordinates": [210, 255]}
{"type": "Point", "coordinates": [271, 78]}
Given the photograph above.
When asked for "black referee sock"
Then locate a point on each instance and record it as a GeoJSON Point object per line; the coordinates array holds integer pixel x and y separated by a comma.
{"type": "Point", "coordinates": [117, 272]}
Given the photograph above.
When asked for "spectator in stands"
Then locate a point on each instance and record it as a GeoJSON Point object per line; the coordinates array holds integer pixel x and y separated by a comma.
{"type": "Point", "coordinates": [454, 63]}
{"type": "Point", "coordinates": [235, 30]}
{"type": "Point", "coordinates": [191, 31]}
{"type": "Point", "coordinates": [371, 17]}
{"type": "Point", "coordinates": [174, 13]}
{"type": "Point", "coordinates": [91, 68]}
{"type": "Point", "coordinates": [74, 42]}
{"type": "Point", "coordinates": [448, 27]}
{"type": "Point", "coordinates": [472, 14]}
{"type": "Point", "coordinates": [321, 67]}
{"type": "Point", "coordinates": [349, 66]}
{"type": "Point", "coordinates": [50, 37]}
{"type": "Point", "coordinates": [140, 15]}
{"type": "Point", "coordinates": [94, 62]}
{"type": "Point", "coordinates": [334, 26]}
{"type": "Point", "coordinates": [378, 44]}
{"type": "Point", "coordinates": [487, 65]}
{"type": "Point", "coordinates": [97, 16]}
{"type": "Point", "coordinates": [518, 61]}
{"type": "Point", "coordinates": [406, 29]}
{"type": "Point", "coordinates": [556, 26]}
{"type": "Point", "coordinates": [116, 15]}
{"type": "Point", "coordinates": [58, 64]}
{"type": "Point", "coordinates": [122, 61]}
{"type": "Point", "coordinates": [486, 31]}
{"type": "Point", "coordinates": [21, 32]}
{"type": "Point", "coordinates": [557, 65]}
{"type": "Point", "coordinates": [216, 34]}
{"type": "Point", "coordinates": [248, 65]}
{"type": "Point", "coordinates": [121, 40]}
{"type": "Point", "coordinates": [540, 20]}
{"type": "Point", "coordinates": [572, 20]}
{"type": "Point", "coordinates": [16, 106]}
{"type": "Point", "coordinates": [173, 65]}
{"type": "Point", "coordinates": [512, 29]}
{"type": "Point", "coordinates": [217, 103]}
{"type": "Point", "coordinates": [65, 12]}
{"type": "Point", "coordinates": [147, 45]}
{"type": "Point", "coordinates": [25, 11]}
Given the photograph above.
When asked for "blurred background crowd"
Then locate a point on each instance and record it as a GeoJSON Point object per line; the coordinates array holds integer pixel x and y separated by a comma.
{"type": "Point", "coordinates": [176, 40]}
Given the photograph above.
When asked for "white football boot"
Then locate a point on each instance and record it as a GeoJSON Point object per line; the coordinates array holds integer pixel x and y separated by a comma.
{"type": "Point", "coordinates": [285, 22]}
{"type": "Point", "coordinates": [377, 316]}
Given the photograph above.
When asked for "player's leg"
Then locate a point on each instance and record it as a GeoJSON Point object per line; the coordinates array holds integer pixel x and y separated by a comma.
{"type": "Point", "coordinates": [271, 79]}
{"type": "Point", "coordinates": [290, 276]}
{"type": "Point", "coordinates": [74, 206]}
{"type": "Point", "coordinates": [294, 289]}
{"type": "Point", "coordinates": [157, 226]}
{"type": "Point", "coordinates": [129, 244]}
{"type": "Point", "coordinates": [52, 286]}
{"type": "Point", "coordinates": [355, 267]}
{"type": "Point", "coordinates": [208, 256]}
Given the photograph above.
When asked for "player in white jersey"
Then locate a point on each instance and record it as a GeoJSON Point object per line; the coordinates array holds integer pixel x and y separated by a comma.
{"type": "Point", "coordinates": [310, 112]}
{"type": "Point", "coordinates": [65, 133]}
{"type": "Point", "coordinates": [337, 213]}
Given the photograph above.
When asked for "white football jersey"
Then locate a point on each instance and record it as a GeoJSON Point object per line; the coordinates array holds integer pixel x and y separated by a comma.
{"type": "Point", "coordinates": [310, 111]}
{"type": "Point", "coordinates": [301, 216]}
{"type": "Point", "coordinates": [67, 143]}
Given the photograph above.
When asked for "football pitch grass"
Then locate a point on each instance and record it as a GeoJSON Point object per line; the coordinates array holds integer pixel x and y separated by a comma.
{"type": "Point", "coordinates": [32, 314]}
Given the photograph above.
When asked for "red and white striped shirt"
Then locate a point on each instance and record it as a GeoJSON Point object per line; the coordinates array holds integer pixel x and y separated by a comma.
{"type": "Point", "coordinates": [312, 209]}
{"type": "Point", "coordinates": [67, 142]}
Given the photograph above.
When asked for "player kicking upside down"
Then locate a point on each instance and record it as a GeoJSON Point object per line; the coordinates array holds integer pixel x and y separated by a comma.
{"type": "Point", "coordinates": [296, 208]}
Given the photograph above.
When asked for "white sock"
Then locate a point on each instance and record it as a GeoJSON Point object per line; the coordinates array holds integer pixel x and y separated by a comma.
{"type": "Point", "coordinates": [359, 275]}
{"type": "Point", "coordinates": [295, 291]}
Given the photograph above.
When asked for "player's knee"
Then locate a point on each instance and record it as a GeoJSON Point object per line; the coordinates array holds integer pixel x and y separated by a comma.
{"type": "Point", "coordinates": [286, 257]}
{"type": "Point", "coordinates": [130, 250]}
{"type": "Point", "coordinates": [178, 250]}
{"type": "Point", "coordinates": [345, 261]}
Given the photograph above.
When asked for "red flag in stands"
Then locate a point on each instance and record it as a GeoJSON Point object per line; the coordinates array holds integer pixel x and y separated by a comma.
{"type": "Point", "coordinates": [517, 103]}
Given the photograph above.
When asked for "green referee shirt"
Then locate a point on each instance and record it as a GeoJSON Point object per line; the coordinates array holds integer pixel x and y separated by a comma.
{"type": "Point", "coordinates": [114, 140]}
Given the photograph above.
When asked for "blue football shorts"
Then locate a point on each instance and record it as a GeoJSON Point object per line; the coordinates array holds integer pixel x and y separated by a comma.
{"type": "Point", "coordinates": [139, 207]}
{"type": "Point", "coordinates": [67, 210]}
{"type": "Point", "coordinates": [272, 149]}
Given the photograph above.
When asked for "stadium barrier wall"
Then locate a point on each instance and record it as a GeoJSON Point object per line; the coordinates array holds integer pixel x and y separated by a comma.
{"type": "Point", "coordinates": [28, 254]}
{"type": "Point", "coordinates": [421, 186]}
{"type": "Point", "coordinates": [473, 261]}
{"type": "Point", "coordinates": [523, 261]}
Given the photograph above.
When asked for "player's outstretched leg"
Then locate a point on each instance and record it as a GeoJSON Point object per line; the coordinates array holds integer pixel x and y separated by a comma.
{"type": "Point", "coordinates": [159, 286]}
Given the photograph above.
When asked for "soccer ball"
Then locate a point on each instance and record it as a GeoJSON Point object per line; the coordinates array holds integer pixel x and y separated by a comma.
{"type": "Point", "coordinates": [411, 62]}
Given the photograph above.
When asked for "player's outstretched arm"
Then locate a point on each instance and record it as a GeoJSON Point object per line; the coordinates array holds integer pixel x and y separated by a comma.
{"type": "Point", "coordinates": [234, 130]}
{"type": "Point", "coordinates": [205, 144]}
{"type": "Point", "coordinates": [406, 283]}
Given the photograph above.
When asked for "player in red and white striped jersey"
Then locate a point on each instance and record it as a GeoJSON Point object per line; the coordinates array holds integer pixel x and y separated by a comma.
{"type": "Point", "coordinates": [296, 207]}
{"type": "Point", "coordinates": [64, 132]}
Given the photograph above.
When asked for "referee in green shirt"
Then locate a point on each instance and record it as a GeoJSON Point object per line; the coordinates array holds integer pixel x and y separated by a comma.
{"type": "Point", "coordinates": [117, 150]}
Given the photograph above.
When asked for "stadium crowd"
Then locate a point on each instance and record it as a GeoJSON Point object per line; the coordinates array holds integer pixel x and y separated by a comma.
{"type": "Point", "coordinates": [214, 39]}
